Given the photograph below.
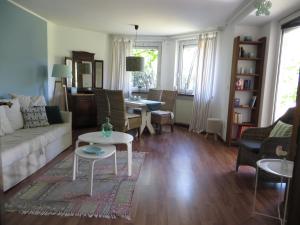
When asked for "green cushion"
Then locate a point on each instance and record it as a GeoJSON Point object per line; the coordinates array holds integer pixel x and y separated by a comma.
{"type": "Point", "coordinates": [281, 129]}
{"type": "Point", "coordinates": [53, 114]}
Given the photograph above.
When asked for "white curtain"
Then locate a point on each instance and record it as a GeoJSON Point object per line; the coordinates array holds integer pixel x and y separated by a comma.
{"type": "Point", "coordinates": [120, 79]}
{"type": "Point", "coordinates": [204, 81]}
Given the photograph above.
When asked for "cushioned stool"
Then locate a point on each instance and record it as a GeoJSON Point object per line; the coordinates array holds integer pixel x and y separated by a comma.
{"type": "Point", "coordinates": [214, 126]}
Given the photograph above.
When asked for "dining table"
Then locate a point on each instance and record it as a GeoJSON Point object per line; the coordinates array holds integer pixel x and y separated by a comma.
{"type": "Point", "coordinates": [145, 106]}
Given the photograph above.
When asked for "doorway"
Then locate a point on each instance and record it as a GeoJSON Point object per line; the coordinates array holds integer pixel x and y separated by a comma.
{"type": "Point", "coordinates": [288, 71]}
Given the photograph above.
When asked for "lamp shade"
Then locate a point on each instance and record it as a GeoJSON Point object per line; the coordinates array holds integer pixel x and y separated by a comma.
{"type": "Point", "coordinates": [60, 70]}
{"type": "Point", "coordinates": [134, 63]}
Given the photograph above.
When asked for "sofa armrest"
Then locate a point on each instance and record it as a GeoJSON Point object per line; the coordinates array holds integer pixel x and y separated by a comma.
{"type": "Point", "coordinates": [268, 147]}
{"type": "Point", "coordinates": [260, 133]}
{"type": "Point", "coordinates": [66, 116]}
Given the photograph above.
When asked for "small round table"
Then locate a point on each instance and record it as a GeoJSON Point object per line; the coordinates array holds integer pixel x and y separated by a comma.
{"type": "Point", "coordinates": [115, 138]}
{"type": "Point", "coordinates": [108, 151]}
{"type": "Point", "coordinates": [280, 168]}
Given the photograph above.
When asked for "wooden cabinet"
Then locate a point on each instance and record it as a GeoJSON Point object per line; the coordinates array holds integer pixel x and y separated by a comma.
{"type": "Point", "coordinates": [245, 86]}
{"type": "Point", "coordinates": [83, 108]}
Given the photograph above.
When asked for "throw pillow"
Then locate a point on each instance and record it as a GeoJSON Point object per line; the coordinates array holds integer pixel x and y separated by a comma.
{"type": "Point", "coordinates": [14, 114]}
{"type": "Point", "coordinates": [35, 117]}
{"type": "Point", "coordinates": [281, 129]}
{"type": "Point", "coordinates": [29, 101]}
{"type": "Point", "coordinates": [53, 114]}
{"type": "Point", "coordinates": [5, 126]}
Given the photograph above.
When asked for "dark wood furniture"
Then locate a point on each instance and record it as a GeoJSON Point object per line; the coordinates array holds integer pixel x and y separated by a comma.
{"type": "Point", "coordinates": [103, 108]}
{"type": "Point", "coordinates": [249, 113]}
{"type": "Point", "coordinates": [83, 108]}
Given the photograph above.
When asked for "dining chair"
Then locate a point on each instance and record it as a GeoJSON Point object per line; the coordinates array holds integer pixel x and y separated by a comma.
{"type": "Point", "coordinates": [154, 94]}
{"type": "Point", "coordinates": [165, 116]}
{"type": "Point", "coordinates": [102, 105]}
{"type": "Point", "coordinates": [119, 118]}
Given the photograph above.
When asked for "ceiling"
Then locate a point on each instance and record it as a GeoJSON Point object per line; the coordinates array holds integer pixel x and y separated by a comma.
{"type": "Point", "coordinates": [155, 17]}
{"type": "Point", "coordinates": [280, 9]}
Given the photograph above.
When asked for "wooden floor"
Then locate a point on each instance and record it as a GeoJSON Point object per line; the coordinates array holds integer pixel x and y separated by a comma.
{"type": "Point", "coordinates": [186, 180]}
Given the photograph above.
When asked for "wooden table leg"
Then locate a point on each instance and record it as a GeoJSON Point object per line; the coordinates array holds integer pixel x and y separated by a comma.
{"type": "Point", "coordinates": [148, 123]}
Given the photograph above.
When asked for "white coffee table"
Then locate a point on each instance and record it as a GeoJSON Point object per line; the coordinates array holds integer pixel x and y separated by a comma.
{"type": "Point", "coordinates": [277, 168]}
{"type": "Point", "coordinates": [115, 138]}
{"type": "Point", "coordinates": [108, 150]}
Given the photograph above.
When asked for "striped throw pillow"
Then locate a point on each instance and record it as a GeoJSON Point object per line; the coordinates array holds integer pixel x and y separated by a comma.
{"type": "Point", "coordinates": [281, 129]}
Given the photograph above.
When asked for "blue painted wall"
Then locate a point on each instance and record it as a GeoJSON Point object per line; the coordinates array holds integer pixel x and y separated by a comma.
{"type": "Point", "coordinates": [23, 52]}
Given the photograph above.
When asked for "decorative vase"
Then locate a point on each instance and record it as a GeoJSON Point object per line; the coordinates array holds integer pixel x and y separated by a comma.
{"type": "Point", "coordinates": [107, 128]}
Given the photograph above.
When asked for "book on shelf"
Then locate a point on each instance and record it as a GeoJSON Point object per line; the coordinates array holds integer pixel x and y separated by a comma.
{"type": "Point", "coordinates": [252, 101]}
{"type": "Point", "coordinates": [239, 84]}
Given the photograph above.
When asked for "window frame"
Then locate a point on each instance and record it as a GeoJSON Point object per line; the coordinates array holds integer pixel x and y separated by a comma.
{"type": "Point", "coordinates": [181, 45]}
{"type": "Point", "coordinates": [150, 45]}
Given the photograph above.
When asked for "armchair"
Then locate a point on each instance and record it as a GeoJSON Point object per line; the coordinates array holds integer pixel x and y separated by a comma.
{"type": "Point", "coordinates": [256, 144]}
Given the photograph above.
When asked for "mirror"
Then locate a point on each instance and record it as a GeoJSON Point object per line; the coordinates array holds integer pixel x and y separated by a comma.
{"type": "Point", "coordinates": [87, 73]}
{"type": "Point", "coordinates": [98, 73]}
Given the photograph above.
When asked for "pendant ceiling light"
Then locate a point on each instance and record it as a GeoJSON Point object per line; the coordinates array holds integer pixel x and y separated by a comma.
{"type": "Point", "coordinates": [135, 63]}
{"type": "Point", "coordinates": [263, 7]}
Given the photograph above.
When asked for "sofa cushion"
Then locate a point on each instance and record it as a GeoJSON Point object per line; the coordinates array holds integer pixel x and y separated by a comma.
{"type": "Point", "coordinates": [251, 145]}
{"type": "Point", "coordinates": [35, 117]}
{"type": "Point", "coordinates": [29, 101]}
{"type": "Point", "coordinates": [14, 114]}
{"type": "Point", "coordinates": [53, 114]}
{"type": "Point", "coordinates": [25, 141]}
{"type": "Point", "coordinates": [5, 126]}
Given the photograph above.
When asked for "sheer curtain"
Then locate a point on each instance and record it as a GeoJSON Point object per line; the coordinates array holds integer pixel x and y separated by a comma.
{"type": "Point", "coordinates": [204, 81]}
{"type": "Point", "coordinates": [120, 79]}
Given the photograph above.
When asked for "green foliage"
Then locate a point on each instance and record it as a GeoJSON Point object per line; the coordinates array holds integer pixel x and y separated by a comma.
{"type": "Point", "coordinates": [147, 78]}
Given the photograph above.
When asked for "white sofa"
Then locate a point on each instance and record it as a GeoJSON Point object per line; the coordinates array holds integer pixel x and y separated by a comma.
{"type": "Point", "coordinates": [27, 150]}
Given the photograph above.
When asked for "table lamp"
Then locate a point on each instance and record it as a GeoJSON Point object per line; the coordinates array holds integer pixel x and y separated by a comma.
{"type": "Point", "coordinates": [60, 92]}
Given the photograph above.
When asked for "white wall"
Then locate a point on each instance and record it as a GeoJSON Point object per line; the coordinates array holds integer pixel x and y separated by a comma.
{"type": "Point", "coordinates": [63, 40]}
{"type": "Point", "coordinates": [272, 32]}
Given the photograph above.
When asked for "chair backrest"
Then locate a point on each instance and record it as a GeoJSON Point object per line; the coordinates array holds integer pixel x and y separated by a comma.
{"type": "Point", "coordinates": [169, 98]}
{"type": "Point", "coordinates": [103, 108]}
{"type": "Point", "coordinates": [117, 109]}
{"type": "Point", "coordinates": [288, 116]}
{"type": "Point", "coordinates": [154, 94]}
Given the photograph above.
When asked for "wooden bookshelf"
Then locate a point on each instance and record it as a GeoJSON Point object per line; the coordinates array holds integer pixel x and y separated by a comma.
{"type": "Point", "coordinates": [255, 78]}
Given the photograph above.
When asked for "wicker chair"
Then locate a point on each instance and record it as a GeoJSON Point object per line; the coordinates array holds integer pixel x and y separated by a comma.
{"type": "Point", "coordinates": [103, 107]}
{"type": "Point", "coordinates": [154, 94]}
{"type": "Point", "coordinates": [256, 144]}
{"type": "Point", "coordinates": [165, 116]}
{"type": "Point", "coordinates": [121, 120]}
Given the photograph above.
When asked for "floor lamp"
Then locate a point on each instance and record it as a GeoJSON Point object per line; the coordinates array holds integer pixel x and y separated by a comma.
{"type": "Point", "coordinates": [60, 91]}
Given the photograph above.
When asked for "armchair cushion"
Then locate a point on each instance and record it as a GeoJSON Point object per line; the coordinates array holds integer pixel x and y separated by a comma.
{"type": "Point", "coordinates": [281, 129]}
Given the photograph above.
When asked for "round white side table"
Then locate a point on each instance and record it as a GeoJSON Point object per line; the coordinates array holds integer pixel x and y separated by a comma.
{"type": "Point", "coordinates": [108, 151]}
{"type": "Point", "coordinates": [280, 168]}
{"type": "Point", "coordinates": [115, 138]}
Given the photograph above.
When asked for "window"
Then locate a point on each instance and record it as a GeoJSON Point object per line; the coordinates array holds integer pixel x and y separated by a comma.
{"type": "Point", "coordinates": [187, 67]}
{"type": "Point", "coordinates": [288, 71]}
{"type": "Point", "coordinates": [148, 78]}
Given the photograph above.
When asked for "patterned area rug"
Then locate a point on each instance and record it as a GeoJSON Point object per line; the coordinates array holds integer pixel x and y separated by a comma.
{"type": "Point", "coordinates": [54, 192]}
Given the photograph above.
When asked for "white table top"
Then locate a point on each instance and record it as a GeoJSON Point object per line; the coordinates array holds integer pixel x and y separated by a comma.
{"type": "Point", "coordinates": [108, 151]}
{"type": "Point", "coordinates": [115, 138]}
{"type": "Point", "coordinates": [141, 102]}
{"type": "Point", "coordinates": [274, 166]}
